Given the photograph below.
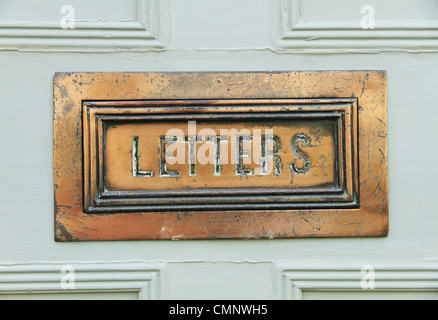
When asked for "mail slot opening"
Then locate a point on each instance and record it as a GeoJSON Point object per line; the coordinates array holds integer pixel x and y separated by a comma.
{"type": "Point", "coordinates": [278, 156]}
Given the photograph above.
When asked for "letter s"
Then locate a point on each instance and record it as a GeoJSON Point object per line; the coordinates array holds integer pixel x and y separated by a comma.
{"type": "Point", "coordinates": [301, 154]}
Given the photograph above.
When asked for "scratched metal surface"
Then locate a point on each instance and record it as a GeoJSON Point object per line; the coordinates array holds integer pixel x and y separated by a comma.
{"type": "Point", "coordinates": [368, 219]}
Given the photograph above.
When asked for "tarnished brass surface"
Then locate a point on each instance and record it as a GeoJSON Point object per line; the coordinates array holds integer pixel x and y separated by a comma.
{"type": "Point", "coordinates": [220, 155]}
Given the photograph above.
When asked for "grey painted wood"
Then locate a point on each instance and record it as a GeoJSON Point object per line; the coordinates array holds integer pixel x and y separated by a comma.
{"type": "Point", "coordinates": [218, 35]}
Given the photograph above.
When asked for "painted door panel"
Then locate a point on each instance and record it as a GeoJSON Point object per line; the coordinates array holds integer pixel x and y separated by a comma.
{"type": "Point", "coordinates": [41, 38]}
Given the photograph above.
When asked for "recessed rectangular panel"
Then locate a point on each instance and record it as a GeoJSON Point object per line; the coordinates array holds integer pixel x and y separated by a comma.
{"type": "Point", "coordinates": [241, 154]}
{"type": "Point", "coordinates": [142, 156]}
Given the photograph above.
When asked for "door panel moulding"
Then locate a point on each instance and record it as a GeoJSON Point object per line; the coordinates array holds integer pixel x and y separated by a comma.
{"type": "Point", "coordinates": [149, 32]}
{"type": "Point", "coordinates": [293, 282]}
{"type": "Point", "coordinates": [140, 278]}
{"type": "Point", "coordinates": [292, 34]}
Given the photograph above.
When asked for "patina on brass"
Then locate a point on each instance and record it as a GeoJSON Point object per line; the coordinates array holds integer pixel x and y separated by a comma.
{"type": "Point", "coordinates": [298, 154]}
{"type": "Point", "coordinates": [220, 155]}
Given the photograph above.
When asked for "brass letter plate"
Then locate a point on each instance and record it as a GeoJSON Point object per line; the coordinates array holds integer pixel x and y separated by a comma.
{"type": "Point", "coordinates": [220, 155]}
